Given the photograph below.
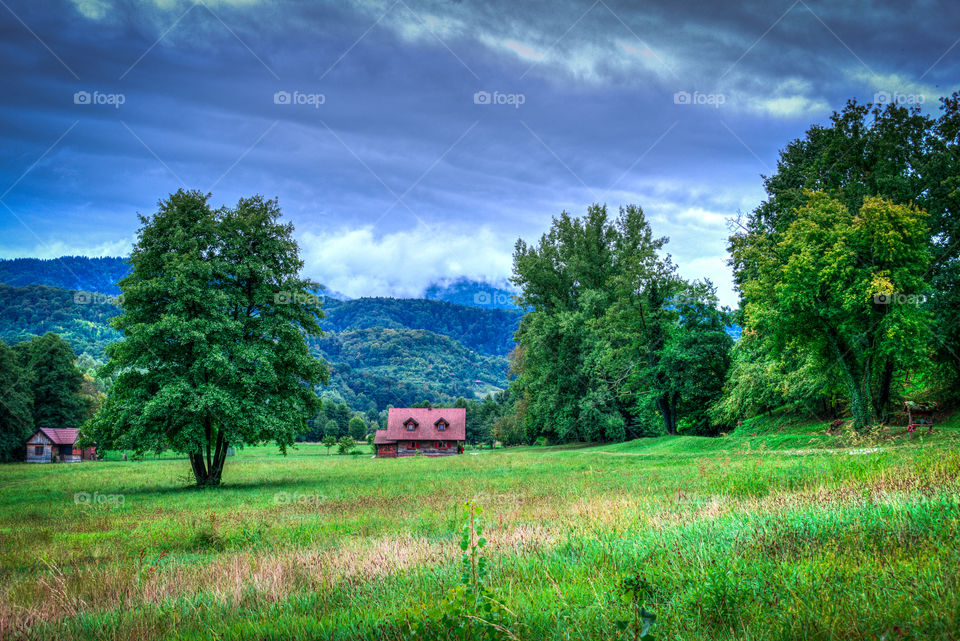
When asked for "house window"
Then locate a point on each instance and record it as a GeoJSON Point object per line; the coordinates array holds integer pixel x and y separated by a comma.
{"type": "Point", "coordinates": [411, 425]}
{"type": "Point", "coordinates": [38, 450]}
{"type": "Point", "coordinates": [441, 445]}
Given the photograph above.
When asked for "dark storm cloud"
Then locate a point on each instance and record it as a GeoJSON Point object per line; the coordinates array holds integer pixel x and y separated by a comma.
{"type": "Point", "coordinates": [399, 149]}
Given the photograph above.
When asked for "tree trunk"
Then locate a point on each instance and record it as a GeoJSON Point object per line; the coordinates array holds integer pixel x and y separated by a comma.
{"type": "Point", "coordinates": [856, 374]}
{"type": "Point", "coordinates": [882, 405]}
{"type": "Point", "coordinates": [207, 469]}
{"type": "Point", "coordinates": [668, 413]}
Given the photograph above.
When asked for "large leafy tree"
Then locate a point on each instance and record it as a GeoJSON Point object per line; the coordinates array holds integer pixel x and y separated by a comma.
{"type": "Point", "coordinates": [214, 318]}
{"type": "Point", "coordinates": [846, 286]}
{"type": "Point", "coordinates": [895, 153]}
{"type": "Point", "coordinates": [16, 405]}
{"type": "Point", "coordinates": [56, 381]}
{"type": "Point", "coordinates": [613, 333]}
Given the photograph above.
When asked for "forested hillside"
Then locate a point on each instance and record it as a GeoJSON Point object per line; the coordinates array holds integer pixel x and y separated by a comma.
{"type": "Point", "coordinates": [81, 320]}
{"type": "Point", "coordinates": [383, 351]}
{"type": "Point", "coordinates": [484, 330]}
{"type": "Point", "coordinates": [67, 272]}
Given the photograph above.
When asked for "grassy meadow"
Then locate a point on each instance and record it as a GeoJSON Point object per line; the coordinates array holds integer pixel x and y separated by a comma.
{"type": "Point", "coordinates": [764, 535]}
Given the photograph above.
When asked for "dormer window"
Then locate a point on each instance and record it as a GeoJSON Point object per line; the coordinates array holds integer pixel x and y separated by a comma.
{"type": "Point", "coordinates": [441, 425]}
{"type": "Point", "coordinates": [410, 424]}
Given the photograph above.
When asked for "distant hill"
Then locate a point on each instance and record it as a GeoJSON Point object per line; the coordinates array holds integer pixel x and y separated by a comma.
{"type": "Point", "coordinates": [485, 330]}
{"type": "Point", "coordinates": [381, 350]}
{"type": "Point", "coordinates": [67, 272]}
{"type": "Point", "coordinates": [473, 293]}
{"type": "Point", "coordinates": [79, 272]}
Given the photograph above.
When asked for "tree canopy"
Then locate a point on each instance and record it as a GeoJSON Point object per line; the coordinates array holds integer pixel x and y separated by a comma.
{"type": "Point", "coordinates": [214, 319]}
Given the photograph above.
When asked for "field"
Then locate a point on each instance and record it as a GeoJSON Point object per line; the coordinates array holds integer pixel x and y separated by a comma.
{"type": "Point", "coordinates": [772, 536]}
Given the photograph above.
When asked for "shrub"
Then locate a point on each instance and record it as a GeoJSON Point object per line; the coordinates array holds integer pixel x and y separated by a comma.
{"type": "Point", "coordinates": [346, 445]}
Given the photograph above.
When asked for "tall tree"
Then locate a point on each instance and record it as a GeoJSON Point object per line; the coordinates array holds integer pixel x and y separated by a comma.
{"type": "Point", "coordinates": [16, 405]}
{"type": "Point", "coordinates": [56, 381]}
{"type": "Point", "coordinates": [600, 296]}
{"type": "Point", "coordinates": [847, 288]}
{"type": "Point", "coordinates": [895, 153]}
{"type": "Point", "coordinates": [214, 318]}
{"type": "Point", "coordinates": [357, 428]}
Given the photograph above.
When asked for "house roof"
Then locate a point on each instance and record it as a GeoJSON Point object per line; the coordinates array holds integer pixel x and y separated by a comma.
{"type": "Point", "coordinates": [60, 436]}
{"type": "Point", "coordinates": [426, 419]}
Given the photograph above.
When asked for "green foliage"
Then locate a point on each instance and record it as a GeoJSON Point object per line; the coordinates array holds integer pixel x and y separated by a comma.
{"type": "Point", "coordinates": [55, 382]}
{"type": "Point", "coordinates": [357, 428]}
{"type": "Point", "coordinates": [471, 610]}
{"type": "Point", "coordinates": [16, 405]}
{"type": "Point", "coordinates": [331, 429]}
{"type": "Point", "coordinates": [328, 442]}
{"type": "Point", "coordinates": [820, 291]}
{"type": "Point", "coordinates": [399, 363]}
{"type": "Point", "coordinates": [346, 445]}
{"type": "Point", "coordinates": [863, 157]}
{"type": "Point", "coordinates": [614, 334]}
{"type": "Point", "coordinates": [635, 592]}
{"type": "Point", "coordinates": [67, 272]}
{"type": "Point", "coordinates": [214, 319]}
{"type": "Point", "coordinates": [80, 318]}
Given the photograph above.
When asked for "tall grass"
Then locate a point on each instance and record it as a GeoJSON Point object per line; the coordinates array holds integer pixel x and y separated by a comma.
{"type": "Point", "coordinates": [766, 537]}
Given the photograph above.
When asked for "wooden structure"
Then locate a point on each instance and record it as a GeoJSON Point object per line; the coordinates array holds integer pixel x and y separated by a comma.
{"type": "Point", "coordinates": [50, 445]}
{"type": "Point", "coordinates": [920, 415]}
{"type": "Point", "coordinates": [431, 431]}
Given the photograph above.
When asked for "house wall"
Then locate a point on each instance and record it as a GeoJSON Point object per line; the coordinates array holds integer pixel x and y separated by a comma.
{"type": "Point", "coordinates": [404, 448]}
{"type": "Point", "coordinates": [56, 453]}
{"type": "Point", "coordinates": [42, 441]}
{"type": "Point", "coordinates": [387, 450]}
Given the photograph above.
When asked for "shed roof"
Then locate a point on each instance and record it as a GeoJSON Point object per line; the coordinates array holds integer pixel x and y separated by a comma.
{"type": "Point", "coordinates": [60, 436]}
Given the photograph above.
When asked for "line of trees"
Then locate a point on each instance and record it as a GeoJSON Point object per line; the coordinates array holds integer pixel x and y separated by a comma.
{"type": "Point", "coordinates": [849, 283]}
{"type": "Point", "coordinates": [41, 387]}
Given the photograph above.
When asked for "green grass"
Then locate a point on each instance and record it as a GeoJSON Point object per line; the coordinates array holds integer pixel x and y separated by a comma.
{"type": "Point", "coordinates": [786, 535]}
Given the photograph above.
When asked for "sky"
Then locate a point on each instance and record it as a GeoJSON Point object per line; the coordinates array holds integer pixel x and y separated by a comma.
{"type": "Point", "coordinates": [411, 141]}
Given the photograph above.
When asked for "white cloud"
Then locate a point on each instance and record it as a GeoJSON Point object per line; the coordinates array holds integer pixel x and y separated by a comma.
{"type": "Point", "coordinates": [359, 262]}
{"type": "Point", "coordinates": [58, 248]}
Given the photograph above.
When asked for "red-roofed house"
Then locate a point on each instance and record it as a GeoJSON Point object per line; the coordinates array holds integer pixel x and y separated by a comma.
{"type": "Point", "coordinates": [435, 431]}
{"type": "Point", "coordinates": [51, 445]}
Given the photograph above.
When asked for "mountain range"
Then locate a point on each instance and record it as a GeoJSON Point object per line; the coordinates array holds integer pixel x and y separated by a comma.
{"type": "Point", "coordinates": [382, 351]}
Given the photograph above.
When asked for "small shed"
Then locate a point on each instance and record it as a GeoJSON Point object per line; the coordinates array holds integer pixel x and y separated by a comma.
{"type": "Point", "coordinates": [57, 445]}
{"type": "Point", "coordinates": [920, 414]}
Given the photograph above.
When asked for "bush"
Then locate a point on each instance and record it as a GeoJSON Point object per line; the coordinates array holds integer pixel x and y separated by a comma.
{"type": "Point", "coordinates": [346, 445]}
